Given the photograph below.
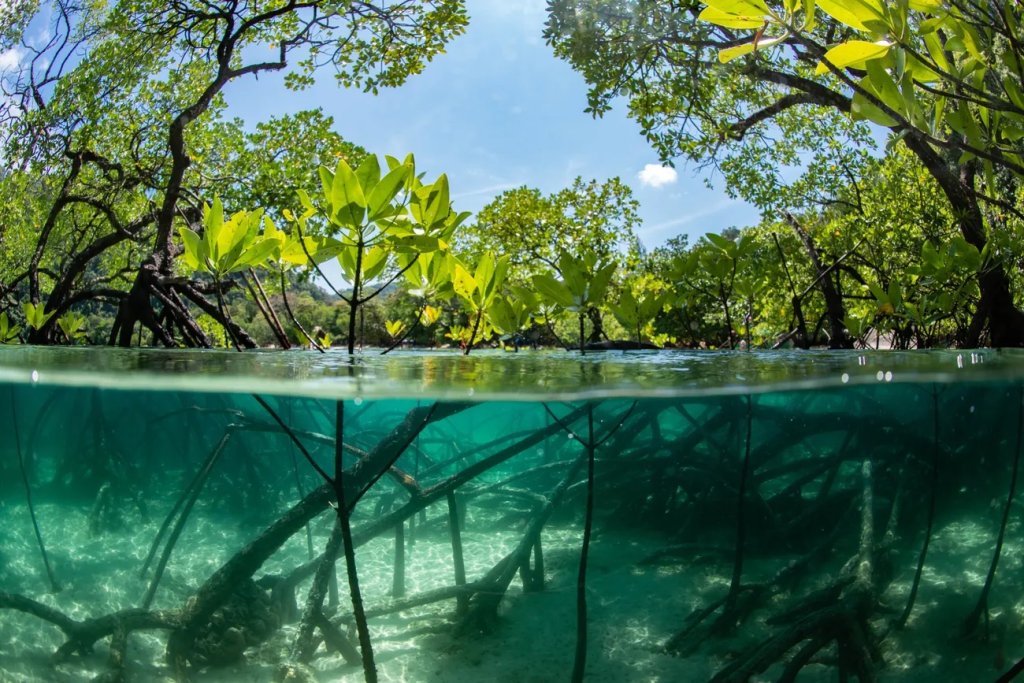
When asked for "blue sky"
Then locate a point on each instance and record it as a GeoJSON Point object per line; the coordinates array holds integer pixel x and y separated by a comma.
{"type": "Point", "coordinates": [497, 111]}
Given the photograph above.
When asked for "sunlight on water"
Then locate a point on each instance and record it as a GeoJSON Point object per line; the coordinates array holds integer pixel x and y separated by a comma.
{"type": "Point", "coordinates": [487, 375]}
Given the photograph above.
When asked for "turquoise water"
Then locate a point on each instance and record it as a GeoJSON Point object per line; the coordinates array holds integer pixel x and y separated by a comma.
{"type": "Point", "coordinates": [813, 517]}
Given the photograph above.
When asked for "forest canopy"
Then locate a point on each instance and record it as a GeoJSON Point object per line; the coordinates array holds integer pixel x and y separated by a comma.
{"type": "Point", "coordinates": [879, 140]}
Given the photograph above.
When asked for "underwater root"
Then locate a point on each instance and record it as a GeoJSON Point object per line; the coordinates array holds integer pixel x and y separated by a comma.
{"type": "Point", "coordinates": [843, 622]}
{"type": "Point", "coordinates": [82, 635]}
{"type": "Point", "coordinates": [700, 626]}
{"type": "Point", "coordinates": [836, 615]}
{"type": "Point", "coordinates": [482, 610]}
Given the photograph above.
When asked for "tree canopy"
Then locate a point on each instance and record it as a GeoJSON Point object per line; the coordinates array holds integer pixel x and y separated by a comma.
{"type": "Point", "coordinates": [880, 141]}
{"type": "Point", "coordinates": [750, 84]}
{"type": "Point", "coordinates": [113, 135]}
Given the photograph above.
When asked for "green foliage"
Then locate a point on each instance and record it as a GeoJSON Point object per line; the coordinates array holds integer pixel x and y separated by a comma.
{"type": "Point", "coordinates": [273, 161]}
{"type": "Point", "coordinates": [227, 246]}
{"type": "Point", "coordinates": [480, 288]}
{"type": "Point", "coordinates": [72, 324]}
{"type": "Point", "coordinates": [583, 284]}
{"type": "Point", "coordinates": [634, 313]}
{"type": "Point", "coordinates": [777, 94]}
{"type": "Point", "coordinates": [395, 328]}
{"type": "Point", "coordinates": [511, 315]}
{"type": "Point", "coordinates": [582, 287]}
{"type": "Point", "coordinates": [533, 229]}
{"type": "Point", "coordinates": [479, 292]}
{"type": "Point", "coordinates": [35, 315]}
{"type": "Point", "coordinates": [429, 275]}
{"type": "Point", "coordinates": [911, 65]}
{"type": "Point", "coordinates": [114, 134]}
{"type": "Point", "coordinates": [8, 332]}
{"type": "Point", "coordinates": [379, 225]}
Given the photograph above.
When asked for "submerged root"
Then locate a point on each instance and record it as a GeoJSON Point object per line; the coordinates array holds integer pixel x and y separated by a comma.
{"type": "Point", "coordinates": [700, 626]}
{"type": "Point", "coordinates": [248, 618]}
{"type": "Point", "coordinates": [843, 622]}
{"type": "Point", "coordinates": [82, 635]}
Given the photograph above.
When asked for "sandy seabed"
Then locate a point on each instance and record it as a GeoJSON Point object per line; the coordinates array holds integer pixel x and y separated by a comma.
{"type": "Point", "coordinates": [634, 607]}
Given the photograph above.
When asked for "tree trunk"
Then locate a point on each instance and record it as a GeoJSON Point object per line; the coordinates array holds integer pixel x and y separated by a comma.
{"type": "Point", "coordinates": [834, 308]}
{"type": "Point", "coordinates": [597, 325]}
{"type": "Point", "coordinates": [996, 311]}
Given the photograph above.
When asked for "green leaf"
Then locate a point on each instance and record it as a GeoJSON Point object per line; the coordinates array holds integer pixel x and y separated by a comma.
{"type": "Point", "coordinates": [368, 174]}
{"type": "Point", "coordinates": [856, 14]}
{"type": "Point", "coordinates": [739, 6]}
{"type": "Point", "coordinates": [723, 243]}
{"type": "Point", "coordinates": [385, 191]}
{"type": "Point", "coordinates": [879, 84]}
{"type": "Point", "coordinates": [930, 255]}
{"type": "Point", "coordinates": [438, 204]}
{"type": "Point", "coordinates": [304, 199]}
{"type": "Point", "coordinates": [501, 271]}
{"type": "Point", "coordinates": [895, 293]}
{"type": "Point", "coordinates": [257, 254]}
{"type": "Point", "coordinates": [213, 221]}
{"type": "Point", "coordinates": [651, 306]}
{"type": "Point", "coordinates": [347, 261]}
{"type": "Point", "coordinates": [854, 54]}
{"type": "Point", "coordinates": [394, 328]}
{"type": "Point", "coordinates": [731, 20]}
{"type": "Point", "coordinates": [730, 53]}
{"type": "Point", "coordinates": [626, 311]}
{"type": "Point", "coordinates": [573, 274]}
{"type": "Point", "coordinates": [599, 284]}
{"type": "Point", "coordinates": [374, 262]}
{"type": "Point", "coordinates": [194, 245]}
{"type": "Point", "coordinates": [463, 283]}
{"type": "Point", "coordinates": [484, 269]}
{"type": "Point", "coordinates": [292, 253]}
{"type": "Point", "coordinates": [346, 188]}
{"type": "Point", "coordinates": [72, 324]}
{"type": "Point", "coordinates": [964, 254]}
{"type": "Point", "coordinates": [553, 290]}
{"type": "Point", "coordinates": [346, 198]}
{"type": "Point", "coordinates": [809, 18]}
{"type": "Point", "coordinates": [502, 316]}
{"type": "Point", "coordinates": [231, 240]}
{"type": "Point", "coordinates": [416, 244]}
{"type": "Point", "coordinates": [36, 315]}
{"type": "Point", "coordinates": [8, 332]}
{"type": "Point", "coordinates": [326, 183]}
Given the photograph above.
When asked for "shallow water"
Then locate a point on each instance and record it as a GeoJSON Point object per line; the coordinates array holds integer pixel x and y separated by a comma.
{"type": "Point", "coordinates": [754, 515]}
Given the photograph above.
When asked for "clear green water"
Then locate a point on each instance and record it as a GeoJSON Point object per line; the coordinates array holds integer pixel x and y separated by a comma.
{"type": "Point", "coordinates": [753, 515]}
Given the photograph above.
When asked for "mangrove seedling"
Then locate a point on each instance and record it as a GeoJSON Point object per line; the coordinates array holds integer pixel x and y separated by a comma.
{"type": "Point", "coordinates": [370, 219]}
{"type": "Point", "coordinates": [8, 332]}
{"type": "Point", "coordinates": [634, 314]}
{"type": "Point", "coordinates": [583, 284]}
{"type": "Point", "coordinates": [479, 291]}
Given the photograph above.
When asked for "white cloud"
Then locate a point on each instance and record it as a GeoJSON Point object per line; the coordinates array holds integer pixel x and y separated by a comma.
{"type": "Point", "coordinates": [655, 234]}
{"type": "Point", "coordinates": [655, 175]}
{"type": "Point", "coordinates": [490, 189]}
{"type": "Point", "coordinates": [10, 59]}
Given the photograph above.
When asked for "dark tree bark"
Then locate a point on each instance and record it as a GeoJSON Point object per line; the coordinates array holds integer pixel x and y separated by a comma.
{"type": "Point", "coordinates": [834, 309]}
{"type": "Point", "coordinates": [997, 311]}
